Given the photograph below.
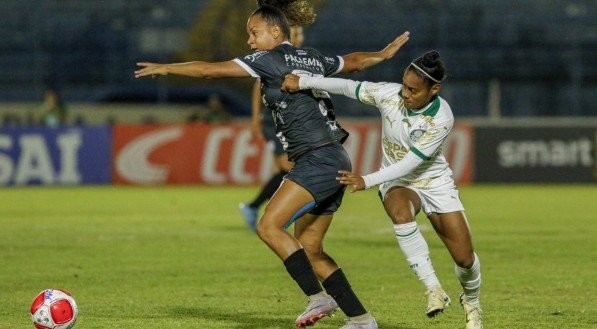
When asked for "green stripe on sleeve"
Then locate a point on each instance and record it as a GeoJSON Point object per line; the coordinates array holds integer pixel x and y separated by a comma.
{"type": "Point", "coordinates": [358, 91]}
{"type": "Point", "coordinates": [419, 154]}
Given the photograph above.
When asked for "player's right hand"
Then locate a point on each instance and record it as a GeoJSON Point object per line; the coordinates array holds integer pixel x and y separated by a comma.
{"type": "Point", "coordinates": [391, 49]}
{"type": "Point", "coordinates": [291, 83]}
{"type": "Point", "coordinates": [152, 69]}
{"type": "Point", "coordinates": [354, 181]}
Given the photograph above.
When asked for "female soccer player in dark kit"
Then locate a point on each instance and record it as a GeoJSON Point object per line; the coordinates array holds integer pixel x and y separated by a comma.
{"type": "Point", "coordinates": [306, 126]}
{"type": "Point", "coordinates": [299, 13]}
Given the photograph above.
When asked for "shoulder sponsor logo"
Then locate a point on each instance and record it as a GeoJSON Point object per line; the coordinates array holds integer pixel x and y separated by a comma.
{"type": "Point", "coordinates": [252, 57]}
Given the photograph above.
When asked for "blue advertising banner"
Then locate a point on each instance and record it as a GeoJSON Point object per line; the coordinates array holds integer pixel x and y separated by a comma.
{"type": "Point", "coordinates": [55, 156]}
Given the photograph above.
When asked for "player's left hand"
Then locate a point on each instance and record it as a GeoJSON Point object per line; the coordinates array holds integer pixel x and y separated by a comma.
{"type": "Point", "coordinates": [354, 181]}
{"type": "Point", "coordinates": [391, 49]}
{"type": "Point", "coordinates": [291, 83]}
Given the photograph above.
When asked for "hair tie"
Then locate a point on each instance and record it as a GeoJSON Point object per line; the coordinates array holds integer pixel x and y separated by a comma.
{"type": "Point", "coordinates": [425, 73]}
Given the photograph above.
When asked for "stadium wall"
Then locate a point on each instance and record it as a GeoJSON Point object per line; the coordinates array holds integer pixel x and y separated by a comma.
{"type": "Point", "coordinates": [156, 154]}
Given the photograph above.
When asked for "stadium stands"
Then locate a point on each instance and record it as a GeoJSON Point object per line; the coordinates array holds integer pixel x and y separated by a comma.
{"type": "Point", "coordinates": [541, 52]}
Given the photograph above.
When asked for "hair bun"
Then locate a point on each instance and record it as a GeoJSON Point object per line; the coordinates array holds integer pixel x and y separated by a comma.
{"type": "Point", "coordinates": [430, 59]}
{"type": "Point", "coordinates": [298, 12]}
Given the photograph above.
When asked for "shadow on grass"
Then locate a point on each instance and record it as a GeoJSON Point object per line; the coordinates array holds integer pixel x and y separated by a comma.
{"type": "Point", "coordinates": [384, 325]}
{"type": "Point", "coordinates": [245, 320]}
{"type": "Point", "coordinates": [240, 320]}
{"type": "Point", "coordinates": [365, 243]}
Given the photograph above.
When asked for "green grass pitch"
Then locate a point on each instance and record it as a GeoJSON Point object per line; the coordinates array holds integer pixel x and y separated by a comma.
{"type": "Point", "coordinates": [181, 257]}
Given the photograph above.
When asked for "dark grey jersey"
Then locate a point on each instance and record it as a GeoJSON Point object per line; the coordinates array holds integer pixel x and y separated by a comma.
{"type": "Point", "coordinates": [304, 120]}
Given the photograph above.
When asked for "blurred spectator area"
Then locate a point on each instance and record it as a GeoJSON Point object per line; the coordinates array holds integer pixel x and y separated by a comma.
{"type": "Point", "coordinates": [231, 102]}
{"type": "Point", "coordinates": [516, 57]}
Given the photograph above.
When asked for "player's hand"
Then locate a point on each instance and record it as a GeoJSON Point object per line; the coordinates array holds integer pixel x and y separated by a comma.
{"type": "Point", "coordinates": [291, 83]}
{"type": "Point", "coordinates": [391, 49]}
{"type": "Point", "coordinates": [152, 69]}
{"type": "Point", "coordinates": [353, 181]}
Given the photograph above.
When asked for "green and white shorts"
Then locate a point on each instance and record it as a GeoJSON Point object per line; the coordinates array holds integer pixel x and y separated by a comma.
{"type": "Point", "coordinates": [437, 196]}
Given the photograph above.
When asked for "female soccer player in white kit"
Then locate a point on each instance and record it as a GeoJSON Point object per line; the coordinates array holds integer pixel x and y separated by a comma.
{"type": "Point", "coordinates": [415, 174]}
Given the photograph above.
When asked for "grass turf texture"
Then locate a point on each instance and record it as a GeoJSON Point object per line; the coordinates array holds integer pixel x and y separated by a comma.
{"type": "Point", "coordinates": [181, 257]}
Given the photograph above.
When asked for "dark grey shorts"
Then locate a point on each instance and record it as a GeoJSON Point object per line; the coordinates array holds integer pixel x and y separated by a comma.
{"type": "Point", "coordinates": [316, 171]}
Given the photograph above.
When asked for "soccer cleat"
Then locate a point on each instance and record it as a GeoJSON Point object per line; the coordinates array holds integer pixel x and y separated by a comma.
{"type": "Point", "coordinates": [473, 314]}
{"type": "Point", "coordinates": [316, 310]}
{"type": "Point", "coordinates": [351, 325]}
{"type": "Point", "coordinates": [250, 215]}
{"type": "Point", "coordinates": [437, 301]}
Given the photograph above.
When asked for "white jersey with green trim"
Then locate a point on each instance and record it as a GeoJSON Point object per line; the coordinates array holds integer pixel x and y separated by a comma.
{"type": "Point", "coordinates": [422, 132]}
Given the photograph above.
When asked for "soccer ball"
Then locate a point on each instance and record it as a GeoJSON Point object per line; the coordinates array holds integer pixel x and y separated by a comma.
{"type": "Point", "coordinates": [54, 309]}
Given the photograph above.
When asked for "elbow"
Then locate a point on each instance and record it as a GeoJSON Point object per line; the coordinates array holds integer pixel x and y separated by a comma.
{"type": "Point", "coordinates": [200, 70]}
{"type": "Point", "coordinates": [354, 67]}
{"type": "Point", "coordinates": [203, 73]}
{"type": "Point", "coordinates": [358, 66]}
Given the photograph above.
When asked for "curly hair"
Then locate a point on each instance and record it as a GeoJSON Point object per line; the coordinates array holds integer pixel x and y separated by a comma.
{"type": "Point", "coordinates": [298, 12]}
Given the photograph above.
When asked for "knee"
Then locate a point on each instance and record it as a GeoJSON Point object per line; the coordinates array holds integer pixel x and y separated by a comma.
{"type": "Point", "coordinates": [465, 261]}
{"type": "Point", "coordinates": [265, 231]}
{"type": "Point", "coordinates": [401, 217]}
{"type": "Point", "coordinates": [261, 230]}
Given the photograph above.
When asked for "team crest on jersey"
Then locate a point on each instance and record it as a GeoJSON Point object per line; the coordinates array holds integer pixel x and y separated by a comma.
{"type": "Point", "coordinates": [416, 134]}
{"type": "Point", "coordinates": [252, 57]}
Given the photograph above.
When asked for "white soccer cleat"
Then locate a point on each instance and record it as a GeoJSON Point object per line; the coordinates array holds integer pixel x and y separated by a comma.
{"type": "Point", "coordinates": [473, 314]}
{"type": "Point", "coordinates": [316, 310]}
{"type": "Point", "coordinates": [351, 325]}
{"type": "Point", "coordinates": [437, 301]}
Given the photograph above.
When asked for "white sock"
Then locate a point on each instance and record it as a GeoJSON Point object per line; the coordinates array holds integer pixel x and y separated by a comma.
{"type": "Point", "coordinates": [319, 295]}
{"type": "Point", "coordinates": [470, 279]}
{"type": "Point", "coordinates": [416, 250]}
{"type": "Point", "coordinates": [362, 319]}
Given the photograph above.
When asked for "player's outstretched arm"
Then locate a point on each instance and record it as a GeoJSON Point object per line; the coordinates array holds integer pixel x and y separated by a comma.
{"type": "Point", "coordinates": [362, 60]}
{"type": "Point", "coordinates": [196, 69]}
{"type": "Point", "coordinates": [293, 83]}
{"type": "Point", "coordinates": [399, 169]}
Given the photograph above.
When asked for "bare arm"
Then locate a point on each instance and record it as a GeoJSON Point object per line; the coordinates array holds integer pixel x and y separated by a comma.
{"type": "Point", "coordinates": [399, 169]}
{"type": "Point", "coordinates": [294, 83]}
{"type": "Point", "coordinates": [196, 69]}
{"type": "Point", "coordinates": [256, 109]}
{"type": "Point", "coordinates": [362, 60]}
